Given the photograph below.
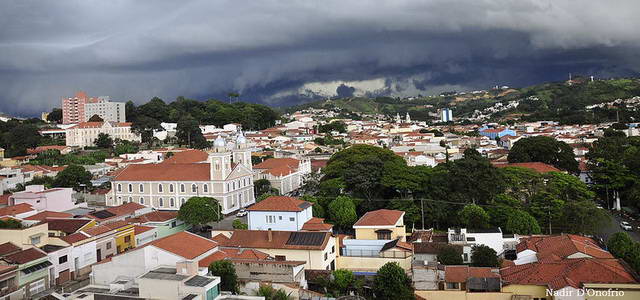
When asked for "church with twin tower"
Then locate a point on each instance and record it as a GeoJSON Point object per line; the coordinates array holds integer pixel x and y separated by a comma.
{"type": "Point", "coordinates": [226, 175]}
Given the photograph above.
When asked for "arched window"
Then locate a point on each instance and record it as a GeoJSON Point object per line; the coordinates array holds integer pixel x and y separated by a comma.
{"type": "Point", "coordinates": [160, 202]}
{"type": "Point", "coordinates": [141, 188]}
{"type": "Point", "coordinates": [171, 188]}
{"type": "Point", "coordinates": [205, 188]}
{"type": "Point", "coordinates": [182, 188]}
{"type": "Point", "coordinates": [182, 201]}
{"type": "Point", "coordinates": [119, 187]}
{"type": "Point", "coordinates": [130, 188]}
{"type": "Point", "coordinates": [194, 188]}
{"type": "Point", "coordinates": [172, 202]}
{"type": "Point", "coordinates": [234, 185]}
{"type": "Point", "coordinates": [130, 199]}
{"type": "Point", "coordinates": [141, 200]}
{"type": "Point", "coordinates": [160, 188]}
{"type": "Point", "coordinates": [228, 189]}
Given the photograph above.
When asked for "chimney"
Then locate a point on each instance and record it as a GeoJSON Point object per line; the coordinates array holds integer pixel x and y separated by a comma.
{"type": "Point", "coordinates": [270, 235]}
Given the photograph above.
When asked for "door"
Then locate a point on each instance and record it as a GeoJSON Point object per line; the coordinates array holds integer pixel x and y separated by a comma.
{"type": "Point", "coordinates": [63, 277]}
{"type": "Point", "coordinates": [99, 254]}
{"type": "Point", "coordinates": [76, 267]}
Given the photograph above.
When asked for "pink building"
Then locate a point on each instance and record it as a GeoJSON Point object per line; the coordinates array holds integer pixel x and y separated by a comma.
{"type": "Point", "coordinates": [58, 199]}
{"type": "Point", "coordinates": [73, 108]}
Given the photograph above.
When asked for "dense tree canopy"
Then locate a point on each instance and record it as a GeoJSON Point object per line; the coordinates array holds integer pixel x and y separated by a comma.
{"type": "Point", "coordinates": [200, 210]}
{"type": "Point", "coordinates": [450, 255]}
{"type": "Point", "coordinates": [544, 149]}
{"type": "Point", "coordinates": [342, 211]}
{"type": "Point", "coordinates": [392, 283]}
{"type": "Point", "coordinates": [55, 116]}
{"type": "Point", "coordinates": [103, 141]}
{"type": "Point", "coordinates": [73, 176]}
{"type": "Point", "coordinates": [227, 273]}
{"type": "Point", "coordinates": [484, 256]}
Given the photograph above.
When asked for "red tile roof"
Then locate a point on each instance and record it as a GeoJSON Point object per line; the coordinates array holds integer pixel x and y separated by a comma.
{"type": "Point", "coordinates": [40, 149]}
{"type": "Point", "coordinates": [380, 217]}
{"type": "Point", "coordinates": [4, 199]}
{"type": "Point", "coordinates": [229, 253]}
{"type": "Point", "coordinates": [8, 248]}
{"type": "Point", "coordinates": [279, 240]}
{"type": "Point", "coordinates": [41, 216]}
{"type": "Point", "coordinates": [84, 125]}
{"type": "Point", "coordinates": [278, 166]}
{"type": "Point", "coordinates": [536, 166]}
{"type": "Point", "coordinates": [67, 226]}
{"type": "Point", "coordinates": [155, 216]}
{"type": "Point", "coordinates": [15, 209]}
{"type": "Point", "coordinates": [165, 172]}
{"type": "Point", "coordinates": [25, 256]}
{"type": "Point", "coordinates": [554, 248]}
{"type": "Point", "coordinates": [569, 272]}
{"type": "Point", "coordinates": [139, 229]}
{"type": "Point", "coordinates": [187, 157]}
{"type": "Point", "coordinates": [316, 224]}
{"type": "Point", "coordinates": [74, 238]}
{"type": "Point", "coordinates": [185, 244]}
{"type": "Point", "coordinates": [280, 203]}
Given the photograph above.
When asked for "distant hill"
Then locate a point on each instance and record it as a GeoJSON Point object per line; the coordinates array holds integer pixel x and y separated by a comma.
{"type": "Point", "coordinates": [560, 101]}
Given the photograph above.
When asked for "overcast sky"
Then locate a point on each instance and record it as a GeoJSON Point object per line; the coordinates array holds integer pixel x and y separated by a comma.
{"type": "Point", "coordinates": [283, 52]}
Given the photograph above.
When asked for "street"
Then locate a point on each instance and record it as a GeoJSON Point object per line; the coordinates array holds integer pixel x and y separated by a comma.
{"type": "Point", "coordinates": [614, 226]}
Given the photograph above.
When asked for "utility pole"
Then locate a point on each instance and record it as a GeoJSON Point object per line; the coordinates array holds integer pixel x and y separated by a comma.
{"type": "Point", "coordinates": [422, 205]}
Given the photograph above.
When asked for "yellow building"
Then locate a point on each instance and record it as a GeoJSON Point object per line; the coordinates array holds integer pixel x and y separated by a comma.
{"type": "Point", "coordinates": [382, 224]}
{"type": "Point", "coordinates": [125, 237]}
{"type": "Point", "coordinates": [32, 236]}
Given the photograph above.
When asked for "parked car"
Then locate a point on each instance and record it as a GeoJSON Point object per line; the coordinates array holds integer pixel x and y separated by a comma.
{"type": "Point", "coordinates": [626, 226]}
{"type": "Point", "coordinates": [241, 213]}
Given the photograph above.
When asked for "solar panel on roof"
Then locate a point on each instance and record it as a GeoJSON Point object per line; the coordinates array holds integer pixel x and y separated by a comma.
{"type": "Point", "coordinates": [103, 214]}
{"type": "Point", "coordinates": [306, 238]}
{"type": "Point", "coordinates": [37, 267]}
{"type": "Point", "coordinates": [198, 280]}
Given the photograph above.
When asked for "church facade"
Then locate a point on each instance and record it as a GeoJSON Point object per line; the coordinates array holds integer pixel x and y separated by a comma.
{"type": "Point", "coordinates": [225, 175]}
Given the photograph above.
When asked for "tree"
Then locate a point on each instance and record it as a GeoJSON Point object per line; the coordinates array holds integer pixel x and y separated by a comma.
{"type": "Point", "coordinates": [237, 224]}
{"type": "Point", "coordinates": [10, 223]}
{"type": "Point", "coordinates": [227, 273]}
{"type": "Point", "coordinates": [125, 146]}
{"type": "Point", "coordinates": [19, 137]}
{"type": "Point", "coordinates": [318, 208]}
{"type": "Point", "coordinates": [145, 126]}
{"type": "Point", "coordinates": [263, 186]}
{"type": "Point", "coordinates": [521, 222]}
{"type": "Point", "coordinates": [270, 293]}
{"type": "Point", "coordinates": [198, 211]}
{"type": "Point", "coordinates": [188, 133]}
{"type": "Point", "coordinates": [473, 216]}
{"type": "Point", "coordinates": [392, 283]}
{"type": "Point", "coordinates": [484, 256]}
{"type": "Point", "coordinates": [95, 118]}
{"type": "Point", "coordinates": [544, 149]}
{"type": "Point", "coordinates": [620, 244]}
{"type": "Point", "coordinates": [343, 281]}
{"type": "Point", "coordinates": [450, 255]}
{"type": "Point", "coordinates": [342, 211]}
{"type": "Point", "coordinates": [73, 176]}
{"type": "Point", "coordinates": [104, 141]}
{"type": "Point", "coordinates": [55, 116]}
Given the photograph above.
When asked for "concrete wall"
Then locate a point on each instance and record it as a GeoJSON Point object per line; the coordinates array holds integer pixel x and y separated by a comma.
{"type": "Point", "coordinates": [314, 258]}
{"type": "Point", "coordinates": [370, 264]}
{"type": "Point", "coordinates": [282, 220]}
{"type": "Point", "coordinates": [535, 291]}
{"type": "Point", "coordinates": [22, 237]}
{"type": "Point", "coordinates": [272, 272]}
{"type": "Point", "coordinates": [462, 295]}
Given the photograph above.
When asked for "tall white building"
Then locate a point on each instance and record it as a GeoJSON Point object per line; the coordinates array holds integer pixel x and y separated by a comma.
{"type": "Point", "coordinates": [446, 115]}
{"type": "Point", "coordinates": [107, 110]}
{"type": "Point", "coordinates": [225, 174]}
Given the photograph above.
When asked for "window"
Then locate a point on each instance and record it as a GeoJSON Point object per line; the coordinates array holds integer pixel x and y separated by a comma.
{"type": "Point", "coordinates": [205, 188]}
{"type": "Point", "coordinates": [181, 188]}
{"type": "Point", "coordinates": [466, 257]}
{"type": "Point", "coordinates": [194, 188]}
{"type": "Point", "coordinates": [182, 200]}
{"type": "Point", "coordinates": [127, 238]}
{"type": "Point", "coordinates": [35, 240]}
{"type": "Point", "coordinates": [326, 256]}
{"type": "Point", "coordinates": [108, 245]}
{"type": "Point", "coordinates": [119, 187]}
{"type": "Point", "coordinates": [130, 188]}
{"type": "Point", "coordinates": [130, 199]}
{"type": "Point", "coordinates": [173, 224]}
{"type": "Point", "coordinates": [141, 200]}
{"type": "Point", "coordinates": [384, 234]}
{"type": "Point", "coordinates": [271, 219]}
{"type": "Point", "coordinates": [141, 188]}
{"type": "Point", "coordinates": [160, 202]}
{"type": "Point", "coordinates": [172, 202]}
{"type": "Point", "coordinates": [62, 259]}
{"type": "Point", "coordinates": [171, 188]}
{"type": "Point", "coordinates": [292, 219]}
{"type": "Point", "coordinates": [333, 249]}
{"type": "Point", "coordinates": [280, 218]}
{"type": "Point", "coordinates": [160, 188]}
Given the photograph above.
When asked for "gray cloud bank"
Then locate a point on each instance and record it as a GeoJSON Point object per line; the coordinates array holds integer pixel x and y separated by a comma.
{"type": "Point", "coordinates": [268, 50]}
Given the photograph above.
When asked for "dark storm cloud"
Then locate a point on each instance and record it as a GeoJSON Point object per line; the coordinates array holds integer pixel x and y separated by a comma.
{"type": "Point", "coordinates": [267, 50]}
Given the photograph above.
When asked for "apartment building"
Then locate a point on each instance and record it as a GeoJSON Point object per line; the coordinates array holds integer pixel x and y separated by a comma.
{"type": "Point", "coordinates": [80, 108]}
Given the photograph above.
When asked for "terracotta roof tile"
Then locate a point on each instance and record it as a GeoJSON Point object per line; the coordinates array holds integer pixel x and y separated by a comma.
{"type": "Point", "coordinates": [25, 256]}
{"type": "Point", "coordinates": [8, 248]}
{"type": "Point", "coordinates": [316, 224]}
{"type": "Point", "coordinates": [165, 172]}
{"type": "Point", "coordinates": [67, 226]}
{"type": "Point", "coordinates": [229, 253]}
{"type": "Point", "coordinates": [554, 248]}
{"type": "Point", "coordinates": [187, 157]}
{"type": "Point", "coordinates": [463, 273]}
{"type": "Point", "coordinates": [155, 216]}
{"type": "Point", "coordinates": [139, 229]}
{"type": "Point", "coordinates": [380, 217]}
{"type": "Point", "coordinates": [536, 166]}
{"type": "Point", "coordinates": [15, 209]}
{"type": "Point", "coordinates": [41, 216]}
{"type": "Point", "coordinates": [279, 239]}
{"type": "Point", "coordinates": [74, 238]}
{"type": "Point", "coordinates": [185, 244]}
{"type": "Point", "coordinates": [280, 203]}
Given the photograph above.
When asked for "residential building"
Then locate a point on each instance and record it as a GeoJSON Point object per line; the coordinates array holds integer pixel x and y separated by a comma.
{"type": "Point", "coordinates": [446, 115]}
{"type": "Point", "coordinates": [555, 248]}
{"type": "Point", "coordinates": [225, 175]}
{"type": "Point", "coordinates": [284, 174]}
{"type": "Point", "coordinates": [279, 213]}
{"type": "Point", "coordinates": [112, 238]}
{"type": "Point", "coordinates": [9, 283]}
{"type": "Point", "coordinates": [28, 236]}
{"type": "Point", "coordinates": [62, 264]}
{"type": "Point", "coordinates": [119, 213]}
{"type": "Point", "coordinates": [165, 223]}
{"type": "Point", "coordinates": [33, 270]}
{"type": "Point", "coordinates": [492, 237]}
{"type": "Point", "coordinates": [84, 134]}
{"type": "Point", "coordinates": [177, 283]}
{"type": "Point", "coordinates": [80, 108]}
{"type": "Point", "coordinates": [494, 133]}
{"type": "Point", "coordinates": [145, 234]}
{"type": "Point", "coordinates": [167, 251]}
{"type": "Point", "coordinates": [380, 238]}
{"type": "Point", "coordinates": [567, 279]}
{"type": "Point", "coordinates": [66, 226]}
{"type": "Point", "coordinates": [56, 199]}
{"type": "Point", "coordinates": [19, 211]}
{"type": "Point", "coordinates": [83, 252]}
{"type": "Point", "coordinates": [318, 249]}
